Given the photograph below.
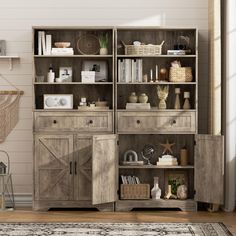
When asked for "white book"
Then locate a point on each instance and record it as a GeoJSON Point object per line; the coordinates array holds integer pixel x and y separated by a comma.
{"type": "Point", "coordinates": [134, 70]}
{"type": "Point", "coordinates": [140, 74]}
{"type": "Point", "coordinates": [48, 44]}
{"type": "Point", "coordinates": [137, 180]}
{"type": "Point", "coordinates": [43, 43]}
{"type": "Point", "coordinates": [128, 74]}
{"type": "Point", "coordinates": [39, 43]}
{"type": "Point", "coordinates": [121, 72]}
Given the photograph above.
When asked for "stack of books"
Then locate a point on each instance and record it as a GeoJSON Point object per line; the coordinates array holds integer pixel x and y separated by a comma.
{"type": "Point", "coordinates": [135, 106]}
{"type": "Point", "coordinates": [178, 52]}
{"type": "Point", "coordinates": [130, 179]}
{"type": "Point", "coordinates": [130, 70]}
{"type": "Point", "coordinates": [62, 51]}
{"type": "Point", "coordinates": [167, 160]}
{"type": "Point", "coordinates": [44, 43]}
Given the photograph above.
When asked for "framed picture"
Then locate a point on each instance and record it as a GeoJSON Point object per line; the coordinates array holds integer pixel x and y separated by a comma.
{"type": "Point", "coordinates": [65, 74]}
{"type": "Point", "coordinates": [175, 178]}
{"type": "Point", "coordinates": [58, 101]}
{"type": "Point", "coordinates": [100, 68]}
{"type": "Point", "coordinates": [2, 47]}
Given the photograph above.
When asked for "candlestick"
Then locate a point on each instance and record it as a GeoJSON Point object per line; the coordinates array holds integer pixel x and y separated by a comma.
{"type": "Point", "coordinates": [156, 73]}
{"type": "Point", "coordinates": [151, 76]}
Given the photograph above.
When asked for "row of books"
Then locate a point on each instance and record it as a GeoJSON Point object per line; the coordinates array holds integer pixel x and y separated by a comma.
{"type": "Point", "coordinates": [130, 179]}
{"type": "Point", "coordinates": [130, 70]}
{"type": "Point", "coordinates": [45, 46]}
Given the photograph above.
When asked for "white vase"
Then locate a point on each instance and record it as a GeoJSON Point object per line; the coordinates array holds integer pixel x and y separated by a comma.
{"type": "Point", "coordinates": [156, 191]}
{"type": "Point", "coordinates": [103, 51]}
{"type": "Point", "coordinates": [143, 98]}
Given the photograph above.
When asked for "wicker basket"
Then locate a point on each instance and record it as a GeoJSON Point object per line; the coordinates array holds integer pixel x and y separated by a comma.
{"type": "Point", "coordinates": [182, 74]}
{"type": "Point", "coordinates": [143, 49]}
{"type": "Point", "coordinates": [135, 191]}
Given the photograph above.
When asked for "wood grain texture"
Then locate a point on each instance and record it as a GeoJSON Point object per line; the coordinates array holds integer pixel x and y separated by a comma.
{"type": "Point", "coordinates": [209, 169]}
{"type": "Point", "coordinates": [104, 169]}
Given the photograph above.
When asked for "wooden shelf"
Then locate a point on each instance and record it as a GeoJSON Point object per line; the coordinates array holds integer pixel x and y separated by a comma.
{"type": "Point", "coordinates": [155, 167]}
{"type": "Point", "coordinates": [70, 110]}
{"type": "Point", "coordinates": [156, 83]}
{"type": "Point", "coordinates": [73, 56]}
{"type": "Point", "coordinates": [73, 83]}
{"type": "Point", "coordinates": [10, 59]}
{"type": "Point", "coordinates": [156, 109]}
{"type": "Point", "coordinates": [152, 56]}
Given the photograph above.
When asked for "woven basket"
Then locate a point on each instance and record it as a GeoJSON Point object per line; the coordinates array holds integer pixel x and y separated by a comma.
{"type": "Point", "coordinates": [182, 74]}
{"type": "Point", "coordinates": [143, 49]}
{"type": "Point", "coordinates": [135, 191]}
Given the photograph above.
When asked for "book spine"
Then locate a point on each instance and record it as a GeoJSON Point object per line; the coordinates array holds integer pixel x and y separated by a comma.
{"type": "Point", "coordinates": [48, 44]}
{"type": "Point", "coordinates": [43, 43]}
{"type": "Point", "coordinates": [39, 43]}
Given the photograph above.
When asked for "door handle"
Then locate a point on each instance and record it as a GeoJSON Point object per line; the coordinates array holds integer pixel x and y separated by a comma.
{"type": "Point", "coordinates": [70, 167]}
{"type": "Point", "coordinates": [75, 168]}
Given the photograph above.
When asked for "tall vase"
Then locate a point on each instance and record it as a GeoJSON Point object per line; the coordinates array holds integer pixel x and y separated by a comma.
{"type": "Point", "coordinates": [156, 191]}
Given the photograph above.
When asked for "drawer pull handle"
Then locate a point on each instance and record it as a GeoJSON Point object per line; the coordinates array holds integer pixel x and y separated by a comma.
{"type": "Point", "coordinates": [54, 121]}
{"type": "Point", "coordinates": [75, 168]}
{"type": "Point", "coordinates": [70, 167]}
{"type": "Point", "coordinates": [173, 122]}
{"type": "Point", "coordinates": [138, 121]}
{"type": "Point", "coordinates": [91, 121]}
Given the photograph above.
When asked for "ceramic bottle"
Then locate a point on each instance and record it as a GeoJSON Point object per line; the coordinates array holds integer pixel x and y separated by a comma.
{"type": "Point", "coordinates": [156, 191]}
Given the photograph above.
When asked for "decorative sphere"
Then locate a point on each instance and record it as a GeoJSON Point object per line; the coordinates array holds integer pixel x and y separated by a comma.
{"type": "Point", "coordinates": [148, 150]}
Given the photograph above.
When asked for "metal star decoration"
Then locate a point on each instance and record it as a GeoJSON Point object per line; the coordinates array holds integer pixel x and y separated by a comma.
{"type": "Point", "coordinates": [167, 147]}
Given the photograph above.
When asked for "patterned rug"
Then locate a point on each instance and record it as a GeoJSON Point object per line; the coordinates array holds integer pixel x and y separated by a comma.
{"type": "Point", "coordinates": [111, 229]}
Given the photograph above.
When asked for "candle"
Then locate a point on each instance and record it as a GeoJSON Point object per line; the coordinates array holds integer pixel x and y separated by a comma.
{"type": "Point", "coordinates": [151, 75]}
{"type": "Point", "coordinates": [156, 72]}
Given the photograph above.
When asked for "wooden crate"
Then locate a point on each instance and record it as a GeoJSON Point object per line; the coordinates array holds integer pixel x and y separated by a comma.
{"type": "Point", "coordinates": [134, 191]}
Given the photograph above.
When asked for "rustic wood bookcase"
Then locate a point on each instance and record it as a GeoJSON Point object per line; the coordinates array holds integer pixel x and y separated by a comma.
{"type": "Point", "coordinates": [78, 154]}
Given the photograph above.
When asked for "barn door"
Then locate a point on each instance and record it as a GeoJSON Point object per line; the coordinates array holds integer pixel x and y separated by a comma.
{"type": "Point", "coordinates": [104, 169]}
{"type": "Point", "coordinates": [209, 169]}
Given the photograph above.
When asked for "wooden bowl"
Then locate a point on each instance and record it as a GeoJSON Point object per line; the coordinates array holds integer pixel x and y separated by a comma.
{"type": "Point", "coordinates": [62, 44]}
{"type": "Point", "coordinates": [101, 103]}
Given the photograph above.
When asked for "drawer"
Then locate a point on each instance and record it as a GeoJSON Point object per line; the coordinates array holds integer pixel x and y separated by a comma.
{"type": "Point", "coordinates": [157, 122]}
{"type": "Point", "coordinates": [73, 121]}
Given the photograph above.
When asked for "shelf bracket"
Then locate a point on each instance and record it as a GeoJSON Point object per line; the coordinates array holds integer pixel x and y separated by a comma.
{"type": "Point", "coordinates": [10, 64]}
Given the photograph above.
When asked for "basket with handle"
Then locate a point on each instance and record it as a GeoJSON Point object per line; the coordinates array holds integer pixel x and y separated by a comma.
{"type": "Point", "coordinates": [181, 74]}
{"type": "Point", "coordinates": [149, 49]}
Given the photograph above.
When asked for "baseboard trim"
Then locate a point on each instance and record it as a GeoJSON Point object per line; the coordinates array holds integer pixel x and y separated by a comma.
{"type": "Point", "coordinates": [23, 200]}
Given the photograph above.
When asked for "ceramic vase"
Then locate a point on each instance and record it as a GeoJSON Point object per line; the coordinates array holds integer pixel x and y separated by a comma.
{"type": "Point", "coordinates": [186, 101]}
{"type": "Point", "coordinates": [156, 191]}
{"type": "Point", "coordinates": [182, 192]}
{"type": "Point", "coordinates": [103, 51]}
{"type": "Point", "coordinates": [143, 98]}
{"type": "Point", "coordinates": [177, 101]}
{"type": "Point", "coordinates": [133, 98]}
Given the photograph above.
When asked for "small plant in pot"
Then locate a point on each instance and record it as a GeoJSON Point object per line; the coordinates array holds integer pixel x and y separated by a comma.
{"type": "Point", "coordinates": [103, 42]}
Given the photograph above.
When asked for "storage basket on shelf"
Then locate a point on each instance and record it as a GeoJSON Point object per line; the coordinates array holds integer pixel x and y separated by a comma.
{"type": "Point", "coordinates": [134, 191]}
{"type": "Point", "coordinates": [181, 74]}
{"type": "Point", "coordinates": [143, 49]}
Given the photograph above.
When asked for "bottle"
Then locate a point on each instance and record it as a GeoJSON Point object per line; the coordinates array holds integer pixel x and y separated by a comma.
{"type": "Point", "coordinates": [51, 75]}
{"type": "Point", "coordinates": [156, 191]}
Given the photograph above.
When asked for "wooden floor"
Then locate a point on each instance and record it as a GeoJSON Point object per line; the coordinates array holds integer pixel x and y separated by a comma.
{"type": "Point", "coordinates": [229, 219]}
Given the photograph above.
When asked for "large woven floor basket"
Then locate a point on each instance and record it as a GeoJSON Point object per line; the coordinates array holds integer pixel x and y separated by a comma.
{"type": "Point", "coordinates": [9, 114]}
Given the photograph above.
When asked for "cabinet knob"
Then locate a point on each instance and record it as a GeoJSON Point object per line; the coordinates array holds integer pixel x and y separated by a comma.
{"type": "Point", "coordinates": [173, 122]}
{"type": "Point", "coordinates": [54, 121]}
{"type": "Point", "coordinates": [138, 121]}
{"type": "Point", "coordinates": [90, 121]}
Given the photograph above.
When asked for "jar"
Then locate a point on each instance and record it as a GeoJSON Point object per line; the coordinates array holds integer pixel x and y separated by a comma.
{"type": "Point", "coordinates": [133, 98]}
{"type": "Point", "coordinates": [143, 98]}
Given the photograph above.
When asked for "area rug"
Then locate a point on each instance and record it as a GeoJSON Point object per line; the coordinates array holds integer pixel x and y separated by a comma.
{"type": "Point", "coordinates": [111, 229]}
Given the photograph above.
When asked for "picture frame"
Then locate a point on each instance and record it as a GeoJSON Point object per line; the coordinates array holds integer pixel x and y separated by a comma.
{"type": "Point", "coordinates": [177, 178]}
{"type": "Point", "coordinates": [57, 101]}
{"type": "Point", "coordinates": [100, 68]}
{"type": "Point", "coordinates": [65, 74]}
{"type": "Point", "coordinates": [2, 47]}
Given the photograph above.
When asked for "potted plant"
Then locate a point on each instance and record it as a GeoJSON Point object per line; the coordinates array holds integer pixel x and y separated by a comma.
{"type": "Point", "coordinates": [103, 42]}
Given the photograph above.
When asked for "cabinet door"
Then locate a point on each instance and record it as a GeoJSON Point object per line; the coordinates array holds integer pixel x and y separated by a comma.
{"type": "Point", "coordinates": [53, 163]}
{"type": "Point", "coordinates": [83, 167]}
{"type": "Point", "coordinates": [104, 169]}
{"type": "Point", "coordinates": [209, 169]}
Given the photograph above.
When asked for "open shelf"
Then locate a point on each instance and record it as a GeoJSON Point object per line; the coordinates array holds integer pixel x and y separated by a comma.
{"type": "Point", "coordinates": [156, 83]}
{"type": "Point", "coordinates": [74, 83]}
{"type": "Point", "coordinates": [83, 56]}
{"type": "Point", "coordinates": [10, 58]}
{"type": "Point", "coordinates": [152, 56]}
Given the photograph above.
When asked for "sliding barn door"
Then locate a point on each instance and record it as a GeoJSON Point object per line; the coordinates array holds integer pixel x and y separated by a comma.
{"type": "Point", "coordinates": [209, 169]}
{"type": "Point", "coordinates": [104, 169]}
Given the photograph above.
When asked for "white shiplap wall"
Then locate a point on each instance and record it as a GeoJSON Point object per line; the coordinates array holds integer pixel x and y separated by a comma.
{"type": "Point", "coordinates": [16, 21]}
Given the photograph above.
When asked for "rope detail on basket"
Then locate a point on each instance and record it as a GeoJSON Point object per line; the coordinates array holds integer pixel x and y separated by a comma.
{"type": "Point", "coordinates": [9, 110]}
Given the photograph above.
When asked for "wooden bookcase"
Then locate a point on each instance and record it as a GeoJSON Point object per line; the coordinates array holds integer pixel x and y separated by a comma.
{"type": "Point", "coordinates": [78, 154]}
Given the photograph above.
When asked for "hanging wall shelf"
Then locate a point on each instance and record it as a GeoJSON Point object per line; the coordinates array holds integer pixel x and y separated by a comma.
{"type": "Point", "coordinates": [10, 59]}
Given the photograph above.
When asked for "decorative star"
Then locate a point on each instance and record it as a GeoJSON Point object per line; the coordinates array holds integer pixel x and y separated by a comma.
{"type": "Point", "coordinates": [167, 147]}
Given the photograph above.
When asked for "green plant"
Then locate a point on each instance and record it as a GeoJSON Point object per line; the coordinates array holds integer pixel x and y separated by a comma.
{"type": "Point", "coordinates": [103, 41]}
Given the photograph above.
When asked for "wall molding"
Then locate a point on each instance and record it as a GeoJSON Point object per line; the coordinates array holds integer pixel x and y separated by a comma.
{"type": "Point", "coordinates": [23, 199]}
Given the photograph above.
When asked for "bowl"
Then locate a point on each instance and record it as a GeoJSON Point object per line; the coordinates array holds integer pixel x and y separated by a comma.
{"type": "Point", "coordinates": [62, 44]}
{"type": "Point", "coordinates": [101, 103]}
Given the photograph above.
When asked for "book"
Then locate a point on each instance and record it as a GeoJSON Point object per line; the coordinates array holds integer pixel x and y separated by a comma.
{"type": "Point", "coordinates": [39, 43]}
{"type": "Point", "coordinates": [135, 106]}
{"type": "Point", "coordinates": [48, 44]}
{"type": "Point", "coordinates": [62, 51]}
{"type": "Point", "coordinates": [43, 42]}
{"type": "Point", "coordinates": [127, 70]}
{"type": "Point", "coordinates": [121, 71]}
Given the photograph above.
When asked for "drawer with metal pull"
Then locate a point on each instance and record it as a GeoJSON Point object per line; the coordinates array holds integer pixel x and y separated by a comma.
{"type": "Point", "coordinates": [157, 122]}
{"type": "Point", "coordinates": [73, 121]}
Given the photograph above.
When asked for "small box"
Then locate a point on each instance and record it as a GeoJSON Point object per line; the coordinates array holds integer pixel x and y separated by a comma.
{"type": "Point", "coordinates": [88, 76]}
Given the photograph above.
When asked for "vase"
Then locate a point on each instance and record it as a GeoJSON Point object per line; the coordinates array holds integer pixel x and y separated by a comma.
{"type": "Point", "coordinates": [103, 51]}
{"type": "Point", "coordinates": [177, 101]}
{"type": "Point", "coordinates": [156, 191]}
{"type": "Point", "coordinates": [162, 104]}
{"type": "Point", "coordinates": [186, 101]}
{"type": "Point", "coordinates": [143, 98]}
{"type": "Point", "coordinates": [133, 98]}
{"type": "Point", "coordinates": [182, 192]}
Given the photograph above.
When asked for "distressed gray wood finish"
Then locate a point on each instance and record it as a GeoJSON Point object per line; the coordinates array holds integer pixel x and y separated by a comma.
{"type": "Point", "coordinates": [209, 169]}
{"type": "Point", "coordinates": [128, 205]}
{"type": "Point", "coordinates": [82, 167]}
{"type": "Point", "coordinates": [104, 169]}
{"type": "Point", "coordinates": [74, 121]}
{"type": "Point", "coordinates": [53, 154]}
{"type": "Point", "coordinates": [156, 122]}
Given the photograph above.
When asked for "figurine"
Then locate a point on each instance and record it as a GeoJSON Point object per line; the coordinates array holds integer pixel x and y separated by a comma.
{"type": "Point", "coordinates": [162, 92]}
{"type": "Point", "coordinates": [169, 194]}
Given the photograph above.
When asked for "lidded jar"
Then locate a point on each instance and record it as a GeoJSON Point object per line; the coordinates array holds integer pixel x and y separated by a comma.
{"type": "Point", "coordinates": [133, 98]}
